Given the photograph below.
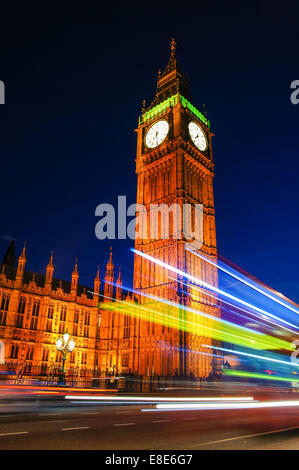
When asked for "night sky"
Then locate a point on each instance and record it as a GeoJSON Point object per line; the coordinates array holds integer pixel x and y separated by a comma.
{"type": "Point", "coordinates": [75, 77]}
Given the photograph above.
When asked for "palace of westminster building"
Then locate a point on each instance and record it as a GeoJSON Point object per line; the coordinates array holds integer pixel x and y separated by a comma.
{"type": "Point", "coordinates": [174, 164]}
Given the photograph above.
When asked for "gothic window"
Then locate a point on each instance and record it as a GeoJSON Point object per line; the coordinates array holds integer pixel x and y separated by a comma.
{"type": "Point", "coordinates": [112, 326]}
{"type": "Point", "coordinates": [29, 354]}
{"type": "Point", "coordinates": [14, 351]}
{"type": "Point", "coordinates": [34, 316]}
{"type": "Point", "coordinates": [50, 318]}
{"type": "Point", "coordinates": [98, 327]}
{"type": "Point", "coordinates": [45, 355]}
{"type": "Point", "coordinates": [22, 304]}
{"type": "Point", "coordinates": [58, 357]}
{"type": "Point", "coordinates": [76, 321]}
{"type": "Point", "coordinates": [51, 312]}
{"type": "Point", "coordinates": [125, 360]}
{"type": "Point", "coordinates": [21, 311]}
{"type": "Point", "coordinates": [126, 327]}
{"type": "Point", "coordinates": [62, 319]}
{"type": "Point", "coordinates": [76, 316]}
{"type": "Point", "coordinates": [87, 319]}
{"type": "Point", "coordinates": [84, 358]}
{"type": "Point", "coordinates": [86, 331]}
{"type": "Point", "coordinates": [35, 308]}
{"type": "Point", "coordinates": [73, 357]}
{"type": "Point", "coordinates": [20, 319]}
{"type": "Point", "coordinates": [63, 313]}
{"type": "Point", "coordinates": [3, 315]}
{"type": "Point", "coordinates": [5, 301]}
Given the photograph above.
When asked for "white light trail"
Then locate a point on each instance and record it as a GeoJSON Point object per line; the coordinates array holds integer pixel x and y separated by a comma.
{"type": "Point", "coordinates": [244, 281]}
{"type": "Point", "coordinates": [208, 286]}
{"type": "Point", "coordinates": [154, 399]}
{"type": "Point", "coordinates": [223, 406]}
{"type": "Point", "coordinates": [232, 351]}
{"type": "Point", "coordinates": [266, 320]}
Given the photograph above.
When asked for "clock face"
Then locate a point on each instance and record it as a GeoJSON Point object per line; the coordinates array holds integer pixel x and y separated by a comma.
{"type": "Point", "coordinates": [198, 137]}
{"type": "Point", "coordinates": [157, 134]}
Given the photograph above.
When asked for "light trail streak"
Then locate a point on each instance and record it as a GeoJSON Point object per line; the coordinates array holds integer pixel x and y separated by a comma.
{"type": "Point", "coordinates": [243, 279]}
{"type": "Point", "coordinates": [208, 286]}
{"type": "Point", "coordinates": [156, 399]}
{"type": "Point", "coordinates": [223, 406]}
{"type": "Point", "coordinates": [183, 307]}
{"type": "Point", "coordinates": [260, 342]}
{"type": "Point", "coordinates": [264, 358]}
{"type": "Point", "coordinates": [266, 320]}
{"type": "Point", "coordinates": [257, 375]}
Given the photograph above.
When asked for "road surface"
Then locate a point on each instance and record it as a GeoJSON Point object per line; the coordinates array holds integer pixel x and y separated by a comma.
{"type": "Point", "coordinates": [128, 427]}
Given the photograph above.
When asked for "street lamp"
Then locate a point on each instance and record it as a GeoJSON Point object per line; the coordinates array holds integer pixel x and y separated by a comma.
{"type": "Point", "coordinates": [65, 345]}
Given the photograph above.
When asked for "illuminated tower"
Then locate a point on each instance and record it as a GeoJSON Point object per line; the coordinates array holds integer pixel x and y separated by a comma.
{"type": "Point", "coordinates": [109, 279]}
{"type": "Point", "coordinates": [49, 274]}
{"type": "Point", "coordinates": [174, 165]}
{"type": "Point", "coordinates": [75, 278]}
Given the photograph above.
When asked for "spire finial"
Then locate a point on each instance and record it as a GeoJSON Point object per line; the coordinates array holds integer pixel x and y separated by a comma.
{"type": "Point", "coordinates": [23, 254]}
{"type": "Point", "coordinates": [172, 46]}
{"type": "Point", "coordinates": [98, 273]}
{"type": "Point", "coordinates": [76, 266]}
{"type": "Point", "coordinates": [51, 259]}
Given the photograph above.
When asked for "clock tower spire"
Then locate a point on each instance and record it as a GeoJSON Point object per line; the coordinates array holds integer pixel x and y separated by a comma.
{"type": "Point", "coordinates": [174, 166]}
{"type": "Point", "coordinates": [171, 80]}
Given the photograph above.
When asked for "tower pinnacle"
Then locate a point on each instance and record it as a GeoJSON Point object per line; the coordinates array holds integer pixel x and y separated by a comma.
{"type": "Point", "coordinates": [49, 271]}
{"type": "Point", "coordinates": [171, 81]}
{"type": "Point", "coordinates": [172, 46]}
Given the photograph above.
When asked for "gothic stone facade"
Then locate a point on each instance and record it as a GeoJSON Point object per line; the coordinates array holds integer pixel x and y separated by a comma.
{"type": "Point", "coordinates": [174, 171]}
{"type": "Point", "coordinates": [35, 310]}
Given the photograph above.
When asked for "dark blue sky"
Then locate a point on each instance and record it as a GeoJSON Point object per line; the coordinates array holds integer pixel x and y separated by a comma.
{"type": "Point", "coordinates": [75, 77]}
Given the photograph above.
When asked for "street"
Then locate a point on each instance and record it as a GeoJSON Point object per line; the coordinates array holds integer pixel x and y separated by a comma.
{"type": "Point", "coordinates": [128, 427]}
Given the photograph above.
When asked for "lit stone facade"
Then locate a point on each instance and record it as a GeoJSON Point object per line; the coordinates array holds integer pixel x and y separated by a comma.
{"type": "Point", "coordinates": [175, 171]}
{"type": "Point", "coordinates": [35, 310]}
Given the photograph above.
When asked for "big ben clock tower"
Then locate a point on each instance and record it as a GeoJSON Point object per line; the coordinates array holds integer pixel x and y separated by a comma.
{"type": "Point", "coordinates": [174, 165]}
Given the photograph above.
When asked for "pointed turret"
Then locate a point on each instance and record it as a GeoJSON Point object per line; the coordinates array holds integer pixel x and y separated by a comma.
{"type": "Point", "coordinates": [21, 265]}
{"type": "Point", "coordinates": [119, 283]}
{"type": "Point", "coordinates": [171, 81]}
{"type": "Point", "coordinates": [109, 278]}
{"type": "Point", "coordinates": [97, 283]}
{"type": "Point", "coordinates": [49, 272]}
{"type": "Point", "coordinates": [75, 277]}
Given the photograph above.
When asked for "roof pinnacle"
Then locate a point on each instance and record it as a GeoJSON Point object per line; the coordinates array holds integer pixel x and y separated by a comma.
{"type": "Point", "coordinates": [172, 46]}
